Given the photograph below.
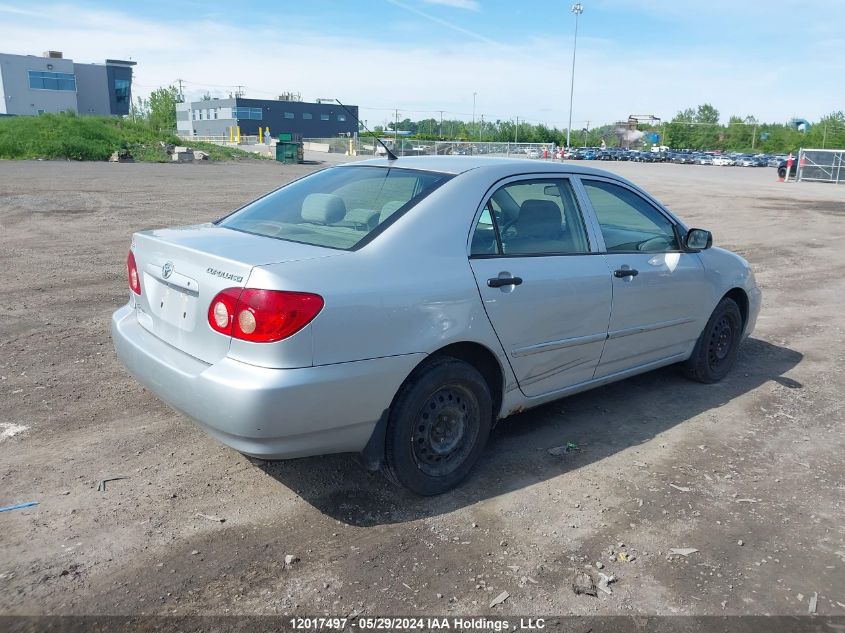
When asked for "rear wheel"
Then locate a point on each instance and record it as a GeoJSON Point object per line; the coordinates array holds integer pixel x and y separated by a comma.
{"type": "Point", "coordinates": [438, 427]}
{"type": "Point", "coordinates": [715, 352]}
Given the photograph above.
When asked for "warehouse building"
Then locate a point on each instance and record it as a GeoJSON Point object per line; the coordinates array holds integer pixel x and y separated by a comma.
{"type": "Point", "coordinates": [215, 117]}
{"type": "Point", "coordinates": [32, 85]}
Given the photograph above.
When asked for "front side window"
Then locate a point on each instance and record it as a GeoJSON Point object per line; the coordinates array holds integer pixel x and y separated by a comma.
{"type": "Point", "coordinates": [629, 223]}
{"type": "Point", "coordinates": [531, 217]}
{"type": "Point", "coordinates": [51, 81]}
{"type": "Point", "coordinates": [341, 208]}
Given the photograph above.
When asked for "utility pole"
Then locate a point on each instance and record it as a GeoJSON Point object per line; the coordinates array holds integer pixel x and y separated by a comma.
{"type": "Point", "coordinates": [181, 93]}
{"type": "Point", "coordinates": [577, 9]}
{"type": "Point", "coordinates": [239, 92]}
{"type": "Point", "coordinates": [516, 131]}
{"type": "Point", "coordinates": [440, 131]}
{"type": "Point", "coordinates": [481, 129]}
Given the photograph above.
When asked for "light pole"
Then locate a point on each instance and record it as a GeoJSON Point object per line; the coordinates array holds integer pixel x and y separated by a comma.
{"type": "Point", "coordinates": [473, 120]}
{"type": "Point", "coordinates": [577, 9]}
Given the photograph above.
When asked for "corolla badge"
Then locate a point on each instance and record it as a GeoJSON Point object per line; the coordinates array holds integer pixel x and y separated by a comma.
{"type": "Point", "coordinates": [167, 270]}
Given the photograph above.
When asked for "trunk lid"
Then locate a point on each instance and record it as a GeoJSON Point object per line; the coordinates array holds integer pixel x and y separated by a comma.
{"type": "Point", "coordinates": [183, 269]}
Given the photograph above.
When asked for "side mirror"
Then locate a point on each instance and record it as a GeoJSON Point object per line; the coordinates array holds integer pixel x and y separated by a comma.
{"type": "Point", "coordinates": [698, 239]}
{"type": "Point", "coordinates": [551, 190]}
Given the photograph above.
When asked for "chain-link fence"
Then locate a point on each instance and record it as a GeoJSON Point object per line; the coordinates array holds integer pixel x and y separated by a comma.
{"type": "Point", "coordinates": [368, 146]}
{"type": "Point", "coordinates": [822, 165]}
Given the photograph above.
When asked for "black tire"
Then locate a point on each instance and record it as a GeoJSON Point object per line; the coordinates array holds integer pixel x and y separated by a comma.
{"type": "Point", "coordinates": [716, 349]}
{"type": "Point", "coordinates": [781, 172]}
{"type": "Point", "coordinates": [438, 427]}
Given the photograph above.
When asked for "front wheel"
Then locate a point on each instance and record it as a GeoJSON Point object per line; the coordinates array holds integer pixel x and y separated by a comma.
{"type": "Point", "coordinates": [715, 352]}
{"type": "Point", "coordinates": [438, 427]}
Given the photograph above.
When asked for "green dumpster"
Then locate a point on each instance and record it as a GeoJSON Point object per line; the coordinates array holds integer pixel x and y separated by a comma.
{"type": "Point", "coordinates": [288, 152]}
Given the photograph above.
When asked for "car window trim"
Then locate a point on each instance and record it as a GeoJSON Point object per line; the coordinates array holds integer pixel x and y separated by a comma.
{"type": "Point", "coordinates": [506, 180]}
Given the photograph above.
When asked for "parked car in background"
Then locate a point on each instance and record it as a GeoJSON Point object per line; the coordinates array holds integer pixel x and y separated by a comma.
{"type": "Point", "coordinates": [723, 161]}
{"type": "Point", "coordinates": [746, 161]}
{"type": "Point", "coordinates": [532, 153]}
{"type": "Point", "coordinates": [300, 324]}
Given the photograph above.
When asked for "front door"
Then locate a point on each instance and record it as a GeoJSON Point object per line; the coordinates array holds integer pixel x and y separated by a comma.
{"type": "Point", "coordinates": [659, 291]}
{"type": "Point", "coordinates": [546, 292]}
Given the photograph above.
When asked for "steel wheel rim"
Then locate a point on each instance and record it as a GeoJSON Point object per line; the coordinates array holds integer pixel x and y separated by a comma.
{"type": "Point", "coordinates": [721, 341]}
{"type": "Point", "coordinates": [445, 430]}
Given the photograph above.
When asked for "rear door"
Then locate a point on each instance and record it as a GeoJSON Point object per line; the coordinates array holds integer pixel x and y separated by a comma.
{"type": "Point", "coordinates": [659, 291]}
{"type": "Point", "coordinates": [546, 291]}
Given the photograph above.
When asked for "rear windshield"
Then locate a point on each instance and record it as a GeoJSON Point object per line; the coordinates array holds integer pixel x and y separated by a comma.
{"type": "Point", "coordinates": [341, 208]}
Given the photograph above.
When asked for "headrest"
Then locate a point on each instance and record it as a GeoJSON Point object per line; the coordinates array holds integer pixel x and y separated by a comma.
{"type": "Point", "coordinates": [538, 218]}
{"type": "Point", "coordinates": [389, 209]}
{"type": "Point", "coordinates": [323, 208]}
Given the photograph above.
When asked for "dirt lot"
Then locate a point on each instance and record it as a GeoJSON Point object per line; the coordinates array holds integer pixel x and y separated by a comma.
{"type": "Point", "coordinates": [749, 472]}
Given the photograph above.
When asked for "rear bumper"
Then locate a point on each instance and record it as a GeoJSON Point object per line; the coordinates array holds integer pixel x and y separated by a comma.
{"type": "Point", "coordinates": [267, 413]}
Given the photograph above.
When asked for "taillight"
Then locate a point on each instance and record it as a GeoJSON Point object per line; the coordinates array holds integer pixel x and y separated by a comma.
{"type": "Point", "coordinates": [132, 273]}
{"type": "Point", "coordinates": [262, 316]}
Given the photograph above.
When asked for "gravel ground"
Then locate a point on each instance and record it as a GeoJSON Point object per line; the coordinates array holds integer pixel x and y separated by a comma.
{"type": "Point", "coordinates": [748, 472]}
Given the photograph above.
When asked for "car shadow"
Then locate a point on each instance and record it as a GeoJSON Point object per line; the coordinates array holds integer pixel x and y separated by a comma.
{"type": "Point", "coordinates": [600, 422]}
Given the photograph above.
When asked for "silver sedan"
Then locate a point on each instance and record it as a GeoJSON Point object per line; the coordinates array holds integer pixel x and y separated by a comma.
{"type": "Point", "coordinates": [401, 308]}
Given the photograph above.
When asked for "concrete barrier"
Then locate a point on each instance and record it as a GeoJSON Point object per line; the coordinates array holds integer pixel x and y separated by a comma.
{"type": "Point", "coordinates": [316, 147]}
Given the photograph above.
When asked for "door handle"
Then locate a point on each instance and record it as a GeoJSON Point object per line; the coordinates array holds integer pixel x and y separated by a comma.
{"type": "Point", "coordinates": [498, 282]}
{"type": "Point", "coordinates": [626, 272]}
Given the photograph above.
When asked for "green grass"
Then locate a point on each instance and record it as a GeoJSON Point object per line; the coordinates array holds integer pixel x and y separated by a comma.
{"type": "Point", "coordinates": [69, 136]}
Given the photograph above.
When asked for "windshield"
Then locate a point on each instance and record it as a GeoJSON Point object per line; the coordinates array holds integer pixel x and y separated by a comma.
{"type": "Point", "coordinates": [339, 208]}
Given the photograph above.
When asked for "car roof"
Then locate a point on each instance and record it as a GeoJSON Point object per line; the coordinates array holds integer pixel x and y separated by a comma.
{"type": "Point", "coordinates": [461, 164]}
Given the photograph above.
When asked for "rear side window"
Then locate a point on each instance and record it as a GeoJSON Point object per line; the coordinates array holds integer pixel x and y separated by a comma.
{"type": "Point", "coordinates": [531, 217]}
{"type": "Point", "coordinates": [339, 208]}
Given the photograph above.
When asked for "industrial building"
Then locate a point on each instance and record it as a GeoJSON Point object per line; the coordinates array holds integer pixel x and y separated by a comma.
{"type": "Point", "coordinates": [32, 85]}
{"type": "Point", "coordinates": [215, 117]}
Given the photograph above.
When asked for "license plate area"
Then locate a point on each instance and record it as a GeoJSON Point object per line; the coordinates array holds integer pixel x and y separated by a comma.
{"type": "Point", "coordinates": [171, 305]}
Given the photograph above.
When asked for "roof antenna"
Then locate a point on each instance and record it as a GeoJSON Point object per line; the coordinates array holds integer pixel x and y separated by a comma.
{"type": "Point", "coordinates": [390, 155]}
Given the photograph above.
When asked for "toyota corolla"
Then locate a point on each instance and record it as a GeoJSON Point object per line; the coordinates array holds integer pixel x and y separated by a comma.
{"type": "Point", "coordinates": [400, 308]}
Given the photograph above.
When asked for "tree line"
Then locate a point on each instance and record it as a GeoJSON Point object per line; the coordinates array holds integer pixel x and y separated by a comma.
{"type": "Point", "coordinates": [693, 128]}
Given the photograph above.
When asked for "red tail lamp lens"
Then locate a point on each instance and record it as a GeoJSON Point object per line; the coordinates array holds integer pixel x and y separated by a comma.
{"type": "Point", "coordinates": [262, 316]}
{"type": "Point", "coordinates": [132, 273]}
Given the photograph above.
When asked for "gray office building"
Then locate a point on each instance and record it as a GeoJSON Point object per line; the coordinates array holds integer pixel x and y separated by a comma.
{"type": "Point", "coordinates": [34, 85]}
{"type": "Point", "coordinates": [214, 117]}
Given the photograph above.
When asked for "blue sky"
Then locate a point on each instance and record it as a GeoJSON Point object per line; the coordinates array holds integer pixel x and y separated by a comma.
{"type": "Point", "coordinates": [773, 59]}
